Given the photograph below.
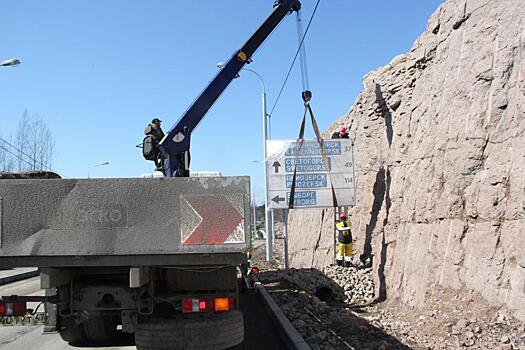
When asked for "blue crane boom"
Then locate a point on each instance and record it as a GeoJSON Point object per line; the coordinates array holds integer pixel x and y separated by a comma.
{"type": "Point", "coordinates": [175, 146]}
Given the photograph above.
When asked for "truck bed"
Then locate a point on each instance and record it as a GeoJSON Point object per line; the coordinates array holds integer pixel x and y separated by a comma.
{"type": "Point", "coordinates": [124, 222]}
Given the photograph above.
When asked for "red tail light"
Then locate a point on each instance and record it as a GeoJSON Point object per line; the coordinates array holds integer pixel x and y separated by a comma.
{"type": "Point", "coordinates": [20, 309]}
{"type": "Point", "coordinates": [187, 305]}
{"type": "Point", "coordinates": [13, 309]}
{"type": "Point", "coordinates": [255, 271]}
{"type": "Point", "coordinates": [190, 305]}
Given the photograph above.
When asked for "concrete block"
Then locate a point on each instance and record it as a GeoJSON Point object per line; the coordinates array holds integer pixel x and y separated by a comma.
{"type": "Point", "coordinates": [100, 217]}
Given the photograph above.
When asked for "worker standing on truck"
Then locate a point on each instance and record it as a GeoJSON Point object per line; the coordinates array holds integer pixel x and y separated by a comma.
{"type": "Point", "coordinates": [154, 130]}
{"type": "Point", "coordinates": [155, 133]}
{"type": "Point", "coordinates": [344, 241]}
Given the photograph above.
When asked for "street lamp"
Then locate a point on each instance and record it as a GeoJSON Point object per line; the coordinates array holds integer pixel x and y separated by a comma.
{"type": "Point", "coordinates": [10, 63]}
{"type": "Point", "coordinates": [254, 226]}
{"type": "Point", "coordinates": [269, 227]}
{"type": "Point", "coordinates": [94, 166]}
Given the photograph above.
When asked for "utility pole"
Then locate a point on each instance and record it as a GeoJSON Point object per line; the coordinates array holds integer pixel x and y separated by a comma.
{"type": "Point", "coordinates": [268, 216]}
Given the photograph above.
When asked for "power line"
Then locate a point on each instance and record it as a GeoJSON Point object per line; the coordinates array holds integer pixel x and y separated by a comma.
{"type": "Point", "coordinates": [25, 154]}
{"type": "Point", "coordinates": [14, 155]}
{"type": "Point", "coordinates": [295, 57]}
{"type": "Point", "coordinates": [43, 167]}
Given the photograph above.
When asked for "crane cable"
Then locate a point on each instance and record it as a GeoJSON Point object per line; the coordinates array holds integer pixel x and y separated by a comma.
{"type": "Point", "coordinates": [307, 96]}
{"type": "Point", "coordinates": [301, 38]}
{"type": "Point", "coordinates": [302, 54]}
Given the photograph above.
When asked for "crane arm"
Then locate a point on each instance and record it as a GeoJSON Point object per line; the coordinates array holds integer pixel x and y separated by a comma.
{"type": "Point", "coordinates": [175, 146]}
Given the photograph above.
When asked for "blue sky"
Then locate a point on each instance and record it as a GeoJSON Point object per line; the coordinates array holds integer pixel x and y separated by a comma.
{"type": "Point", "coordinates": [98, 71]}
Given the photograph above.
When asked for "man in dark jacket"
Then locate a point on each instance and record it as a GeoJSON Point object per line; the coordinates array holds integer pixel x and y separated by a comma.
{"type": "Point", "coordinates": [155, 132]}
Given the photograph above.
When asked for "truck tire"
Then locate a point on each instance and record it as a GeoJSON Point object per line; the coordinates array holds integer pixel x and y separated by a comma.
{"type": "Point", "coordinates": [70, 331]}
{"type": "Point", "coordinates": [100, 327]}
{"type": "Point", "coordinates": [221, 331]}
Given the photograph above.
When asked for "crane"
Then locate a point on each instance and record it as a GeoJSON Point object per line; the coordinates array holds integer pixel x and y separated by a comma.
{"type": "Point", "coordinates": [175, 146]}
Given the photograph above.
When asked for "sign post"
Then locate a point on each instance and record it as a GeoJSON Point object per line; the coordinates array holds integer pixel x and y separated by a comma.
{"type": "Point", "coordinates": [286, 264]}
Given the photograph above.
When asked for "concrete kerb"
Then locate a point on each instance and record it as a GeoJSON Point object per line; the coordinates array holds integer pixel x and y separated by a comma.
{"type": "Point", "coordinates": [18, 277]}
{"type": "Point", "coordinates": [291, 336]}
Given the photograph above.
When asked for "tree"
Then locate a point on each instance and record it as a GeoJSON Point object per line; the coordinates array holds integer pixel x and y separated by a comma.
{"type": "Point", "coordinates": [34, 143]}
{"type": "Point", "coordinates": [32, 147]}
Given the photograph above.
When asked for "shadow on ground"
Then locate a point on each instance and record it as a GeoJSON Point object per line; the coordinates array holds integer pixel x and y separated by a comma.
{"type": "Point", "coordinates": [328, 324]}
{"type": "Point", "coordinates": [121, 340]}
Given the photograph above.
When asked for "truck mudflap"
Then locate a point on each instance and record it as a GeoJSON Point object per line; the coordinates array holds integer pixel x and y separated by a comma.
{"type": "Point", "coordinates": [123, 217]}
{"type": "Point", "coordinates": [218, 331]}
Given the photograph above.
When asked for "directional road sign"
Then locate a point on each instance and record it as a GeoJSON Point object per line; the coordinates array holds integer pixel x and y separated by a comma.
{"type": "Point", "coordinates": [313, 183]}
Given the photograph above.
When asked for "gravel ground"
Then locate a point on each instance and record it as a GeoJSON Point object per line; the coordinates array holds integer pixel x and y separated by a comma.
{"type": "Point", "coordinates": [335, 308]}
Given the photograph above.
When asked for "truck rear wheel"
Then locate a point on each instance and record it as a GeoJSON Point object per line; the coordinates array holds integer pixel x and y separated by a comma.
{"type": "Point", "coordinates": [222, 331]}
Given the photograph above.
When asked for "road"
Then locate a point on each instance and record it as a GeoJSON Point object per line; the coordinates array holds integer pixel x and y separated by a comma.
{"type": "Point", "coordinates": [260, 333]}
{"type": "Point", "coordinates": [31, 337]}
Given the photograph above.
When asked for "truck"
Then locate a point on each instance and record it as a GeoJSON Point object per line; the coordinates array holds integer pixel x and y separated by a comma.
{"type": "Point", "coordinates": [156, 258]}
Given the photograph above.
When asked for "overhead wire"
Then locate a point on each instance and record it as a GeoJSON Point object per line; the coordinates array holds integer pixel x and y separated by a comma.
{"type": "Point", "coordinates": [14, 155]}
{"type": "Point", "coordinates": [299, 51]}
{"type": "Point", "coordinates": [42, 166]}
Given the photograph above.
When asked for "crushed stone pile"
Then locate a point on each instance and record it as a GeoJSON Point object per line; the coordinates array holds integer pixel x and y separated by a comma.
{"type": "Point", "coordinates": [351, 285]}
{"type": "Point", "coordinates": [357, 283]}
{"type": "Point", "coordinates": [335, 308]}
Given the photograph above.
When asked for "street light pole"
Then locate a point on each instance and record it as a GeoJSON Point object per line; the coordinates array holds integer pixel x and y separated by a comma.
{"type": "Point", "coordinates": [267, 215]}
{"type": "Point", "coordinates": [254, 225]}
{"type": "Point", "coordinates": [269, 226]}
{"type": "Point", "coordinates": [94, 166]}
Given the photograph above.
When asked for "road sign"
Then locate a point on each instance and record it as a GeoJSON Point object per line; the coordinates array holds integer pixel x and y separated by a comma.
{"type": "Point", "coordinates": [312, 183]}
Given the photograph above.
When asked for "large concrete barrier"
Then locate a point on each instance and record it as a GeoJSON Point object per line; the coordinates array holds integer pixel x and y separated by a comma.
{"type": "Point", "coordinates": [124, 217]}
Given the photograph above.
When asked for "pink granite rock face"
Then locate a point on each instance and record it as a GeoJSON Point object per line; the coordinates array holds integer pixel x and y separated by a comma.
{"type": "Point", "coordinates": [440, 162]}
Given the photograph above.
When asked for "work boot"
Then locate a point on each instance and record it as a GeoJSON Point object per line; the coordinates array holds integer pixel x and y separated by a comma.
{"type": "Point", "coordinates": [339, 262]}
{"type": "Point", "coordinates": [348, 264]}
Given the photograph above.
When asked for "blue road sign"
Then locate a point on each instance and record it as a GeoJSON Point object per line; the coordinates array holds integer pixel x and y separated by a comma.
{"type": "Point", "coordinates": [313, 181]}
{"type": "Point", "coordinates": [303, 198]}
{"type": "Point", "coordinates": [306, 164]}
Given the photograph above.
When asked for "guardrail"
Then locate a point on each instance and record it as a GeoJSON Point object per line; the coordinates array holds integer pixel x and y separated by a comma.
{"type": "Point", "coordinates": [290, 335]}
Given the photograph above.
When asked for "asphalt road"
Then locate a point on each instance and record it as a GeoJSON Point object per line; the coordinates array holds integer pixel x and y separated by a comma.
{"type": "Point", "coordinates": [31, 337]}
{"type": "Point", "coordinates": [259, 330]}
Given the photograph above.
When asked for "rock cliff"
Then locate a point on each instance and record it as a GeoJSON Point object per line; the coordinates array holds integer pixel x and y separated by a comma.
{"type": "Point", "coordinates": [440, 162]}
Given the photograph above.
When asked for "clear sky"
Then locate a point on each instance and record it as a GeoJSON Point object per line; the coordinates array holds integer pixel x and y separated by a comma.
{"type": "Point", "coordinates": [98, 71]}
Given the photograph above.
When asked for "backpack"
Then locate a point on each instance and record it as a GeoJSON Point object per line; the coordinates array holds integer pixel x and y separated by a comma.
{"type": "Point", "coordinates": [150, 149]}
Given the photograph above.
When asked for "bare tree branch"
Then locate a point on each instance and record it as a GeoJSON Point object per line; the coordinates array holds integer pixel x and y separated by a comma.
{"type": "Point", "coordinates": [33, 145]}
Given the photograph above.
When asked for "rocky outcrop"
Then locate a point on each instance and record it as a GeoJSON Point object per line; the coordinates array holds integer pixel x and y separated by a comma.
{"type": "Point", "coordinates": [440, 161]}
